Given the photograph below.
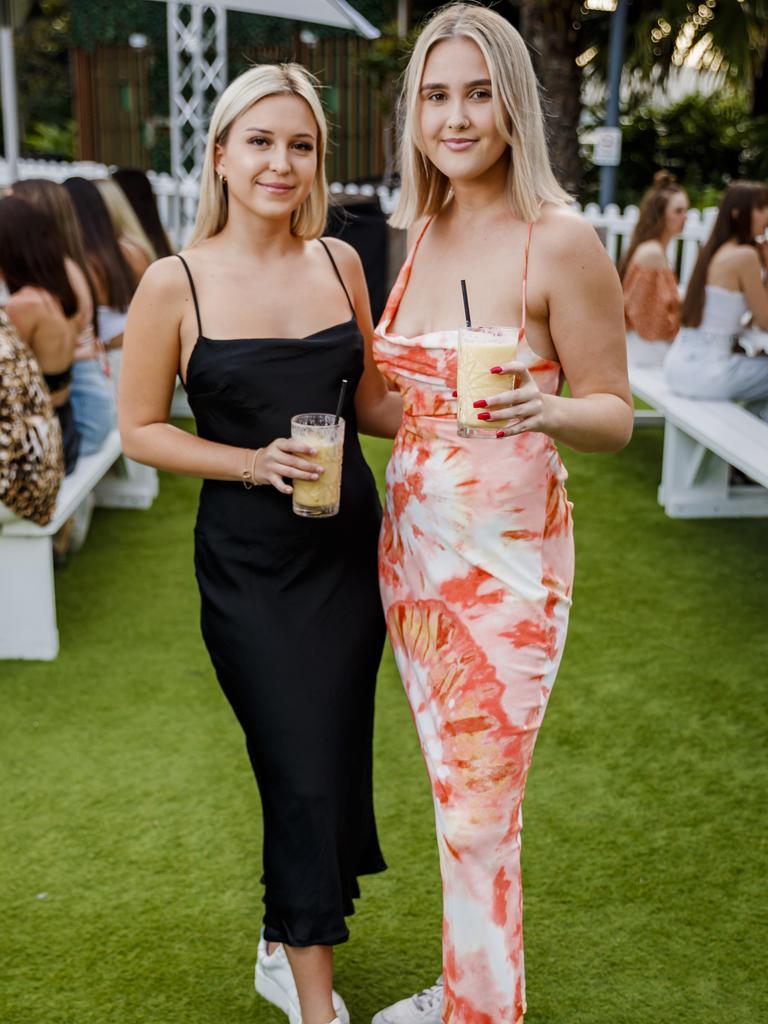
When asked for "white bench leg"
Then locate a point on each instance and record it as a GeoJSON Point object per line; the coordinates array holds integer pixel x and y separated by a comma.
{"type": "Point", "coordinates": [695, 482]}
{"type": "Point", "coordinates": [128, 484]}
{"type": "Point", "coordinates": [27, 599]}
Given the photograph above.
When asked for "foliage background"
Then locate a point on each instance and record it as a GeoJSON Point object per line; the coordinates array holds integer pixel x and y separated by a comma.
{"type": "Point", "coordinates": [705, 141]}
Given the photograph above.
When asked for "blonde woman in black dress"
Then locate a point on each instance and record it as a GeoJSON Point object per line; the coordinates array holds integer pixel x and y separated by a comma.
{"type": "Point", "coordinates": [263, 319]}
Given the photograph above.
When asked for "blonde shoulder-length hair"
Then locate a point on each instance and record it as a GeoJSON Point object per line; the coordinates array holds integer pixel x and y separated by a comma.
{"type": "Point", "coordinates": [308, 221]}
{"type": "Point", "coordinates": [517, 109]}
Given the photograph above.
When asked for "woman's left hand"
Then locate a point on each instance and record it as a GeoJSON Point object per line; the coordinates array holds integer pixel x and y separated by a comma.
{"type": "Point", "coordinates": [526, 406]}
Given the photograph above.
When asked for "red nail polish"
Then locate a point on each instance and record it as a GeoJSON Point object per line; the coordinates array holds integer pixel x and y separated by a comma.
{"type": "Point", "coordinates": [483, 415]}
{"type": "Point", "coordinates": [455, 394]}
{"type": "Point", "coordinates": [480, 404]}
{"type": "Point", "coordinates": [500, 433]}
{"type": "Point", "coordinates": [496, 369]}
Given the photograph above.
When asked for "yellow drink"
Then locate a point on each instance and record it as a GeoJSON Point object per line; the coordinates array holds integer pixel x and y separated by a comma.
{"type": "Point", "coordinates": [478, 351]}
{"type": "Point", "coordinates": [318, 499]}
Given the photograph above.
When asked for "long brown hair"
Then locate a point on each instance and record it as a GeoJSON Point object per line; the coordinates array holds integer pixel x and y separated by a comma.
{"type": "Point", "coordinates": [734, 222]}
{"type": "Point", "coordinates": [31, 253]}
{"type": "Point", "coordinates": [651, 219]}
{"type": "Point", "coordinates": [101, 245]}
{"type": "Point", "coordinates": [138, 189]}
{"type": "Point", "coordinates": [53, 199]}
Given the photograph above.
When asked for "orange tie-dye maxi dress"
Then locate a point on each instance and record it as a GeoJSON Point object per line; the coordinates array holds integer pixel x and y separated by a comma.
{"type": "Point", "coordinates": [476, 564]}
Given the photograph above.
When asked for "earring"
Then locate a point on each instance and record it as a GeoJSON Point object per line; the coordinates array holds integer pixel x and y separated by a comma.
{"type": "Point", "coordinates": [222, 178]}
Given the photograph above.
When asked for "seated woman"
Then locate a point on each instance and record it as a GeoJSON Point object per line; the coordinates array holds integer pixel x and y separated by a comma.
{"type": "Point", "coordinates": [92, 390]}
{"type": "Point", "coordinates": [114, 276]}
{"type": "Point", "coordinates": [726, 284]}
{"type": "Point", "coordinates": [651, 297]}
{"type": "Point", "coordinates": [42, 304]}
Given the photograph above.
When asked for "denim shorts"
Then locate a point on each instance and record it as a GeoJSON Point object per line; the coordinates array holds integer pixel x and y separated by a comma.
{"type": "Point", "coordinates": [92, 395]}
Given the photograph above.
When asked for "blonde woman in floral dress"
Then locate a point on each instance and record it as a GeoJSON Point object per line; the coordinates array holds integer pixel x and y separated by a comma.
{"type": "Point", "coordinates": [476, 553]}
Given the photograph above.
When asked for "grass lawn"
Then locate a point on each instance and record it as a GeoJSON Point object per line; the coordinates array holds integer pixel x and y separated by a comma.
{"type": "Point", "coordinates": [130, 834]}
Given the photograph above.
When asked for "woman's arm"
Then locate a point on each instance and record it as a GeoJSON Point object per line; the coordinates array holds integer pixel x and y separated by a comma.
{"type": "Point", "coordinates": [586, 323]}
{"type": "Point", "coordinates": [151, 356]}
{"type": "Point", "coordinates": [378, 409]}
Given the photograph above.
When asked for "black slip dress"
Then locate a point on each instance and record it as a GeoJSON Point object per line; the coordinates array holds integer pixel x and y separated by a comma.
{"type": "Point", "coordinates": [292, 619]}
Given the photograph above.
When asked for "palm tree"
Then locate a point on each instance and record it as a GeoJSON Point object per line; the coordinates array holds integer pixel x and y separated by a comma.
{"type": "Point", "coordinates": [729, 36]}
{"type": "Point", "coordinates": [726, 36]}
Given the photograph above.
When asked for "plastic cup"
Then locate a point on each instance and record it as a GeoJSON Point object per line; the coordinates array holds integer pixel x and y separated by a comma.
{"type": "Point", "coordinates": [319, 499]}
{"type": "Point", "coordinates": [480, 348]}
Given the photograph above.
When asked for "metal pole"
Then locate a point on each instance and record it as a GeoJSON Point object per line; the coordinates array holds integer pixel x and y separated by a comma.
{"type": "Point", "coordinates": [173, 76]}
{"type": "Point", "coordinates": [197, 57]}
{"type": "Point", "coordinates": [615, 62]}
{"type": "Point", "coordinates": [403, 18]}
{"type": "Point", "coordinates": [10, 105]}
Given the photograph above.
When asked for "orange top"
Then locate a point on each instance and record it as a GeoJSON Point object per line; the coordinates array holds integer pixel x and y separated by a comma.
{"type": "Point", "coordinates": [651, 302]}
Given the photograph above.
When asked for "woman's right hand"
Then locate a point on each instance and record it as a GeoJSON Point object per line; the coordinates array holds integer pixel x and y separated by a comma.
{"type": "Point", "coordinates": [283, 458]}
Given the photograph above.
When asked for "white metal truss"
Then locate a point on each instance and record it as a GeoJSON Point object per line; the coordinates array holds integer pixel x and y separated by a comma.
{"type": "Point", "coordinates": [197, 74]}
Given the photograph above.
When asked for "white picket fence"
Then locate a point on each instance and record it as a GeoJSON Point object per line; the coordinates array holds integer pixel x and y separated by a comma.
{"type": "Point", "coordinates": [177, 204]}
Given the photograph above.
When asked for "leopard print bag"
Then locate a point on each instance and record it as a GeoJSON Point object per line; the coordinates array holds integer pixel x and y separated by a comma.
{"type": "Point", "coordinates": [31, 455]}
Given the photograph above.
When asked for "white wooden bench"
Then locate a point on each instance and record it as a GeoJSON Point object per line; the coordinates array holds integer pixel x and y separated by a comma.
{"type": "Point", "coordinates": [27, 594]}
{"type": "Point", "coordinates": [702, 440]}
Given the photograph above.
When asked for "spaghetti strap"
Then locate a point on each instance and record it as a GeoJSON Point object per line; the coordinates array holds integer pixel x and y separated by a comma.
{"type": "Point", "coordinates": [194, 295]}
{"type": "Point", "coordinates": [338, 274]}
{"type": "Point", "coordinates": [521, 332]}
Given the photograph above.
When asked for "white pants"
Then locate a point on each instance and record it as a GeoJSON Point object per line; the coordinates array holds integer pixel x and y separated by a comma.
{"type": "Point", "coordinates": [702, 364]}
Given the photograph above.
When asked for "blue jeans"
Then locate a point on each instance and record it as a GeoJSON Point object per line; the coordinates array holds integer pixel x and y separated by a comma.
{"type": "Point", "coordinates": [92, 395]}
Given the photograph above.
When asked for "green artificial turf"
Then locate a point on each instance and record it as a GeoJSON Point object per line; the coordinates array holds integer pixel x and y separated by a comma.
{"type": "Point", "coordinates": [129, 856]}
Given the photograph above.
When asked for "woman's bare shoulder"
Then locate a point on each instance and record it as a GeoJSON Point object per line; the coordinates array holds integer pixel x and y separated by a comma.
{"type": "Point", "coordinates": [344, 253]}
{"type": "Point", "coordinates": [31, 301]}
{"type": "Point", "coordinates": [32, 309]}
{"type": "Point", "coordinates": [564, 232]}
{"type": "Point", "coordinates": [27, 297]}
{"type": "Point", "coordinates": [650, 254]}
{"type": "Point", "coordinates": [165, 274]}
{"type": "Point", "coordinates": [740, 256]}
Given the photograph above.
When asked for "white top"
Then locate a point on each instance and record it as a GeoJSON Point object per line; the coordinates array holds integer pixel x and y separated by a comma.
{"type": "Point", "coordinates": [111, 322]}
{"type": "Point", "coordinates": [723, 310]}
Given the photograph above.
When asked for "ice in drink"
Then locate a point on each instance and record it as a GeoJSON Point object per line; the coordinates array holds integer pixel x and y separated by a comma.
{"type": "Point", "coordinates": [319, 498]}
{"type": "Point", "coordinates": [479, 350]}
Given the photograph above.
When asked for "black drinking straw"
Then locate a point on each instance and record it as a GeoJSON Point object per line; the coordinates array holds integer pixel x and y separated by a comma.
{"type": "Point", "coordinates": [467, 317]}
{"type": "Point", "coordinates": [340, 403]}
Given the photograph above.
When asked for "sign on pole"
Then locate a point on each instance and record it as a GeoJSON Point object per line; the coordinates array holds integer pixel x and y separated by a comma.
{"type": "Point", "coordinates": [607, 143]}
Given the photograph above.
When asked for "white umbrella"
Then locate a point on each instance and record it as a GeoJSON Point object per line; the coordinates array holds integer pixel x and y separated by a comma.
{"type": "Point", "coordinates": [337, 13]}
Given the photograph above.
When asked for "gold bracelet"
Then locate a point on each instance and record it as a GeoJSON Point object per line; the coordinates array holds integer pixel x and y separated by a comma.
{"type": "Point", "coordinates": [248, 474]}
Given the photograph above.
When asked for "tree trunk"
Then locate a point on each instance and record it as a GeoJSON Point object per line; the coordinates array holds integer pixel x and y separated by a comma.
{"type": "Point", "coordinates": [760, 89]}
{"type": "Point", "coordinates": [547, 28]}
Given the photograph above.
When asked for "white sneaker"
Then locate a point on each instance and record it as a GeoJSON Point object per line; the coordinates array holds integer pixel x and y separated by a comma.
{"type": "Point", "coordinates": [426, 1007]}
{"type": "Point", "coordinates": [274, 981]}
